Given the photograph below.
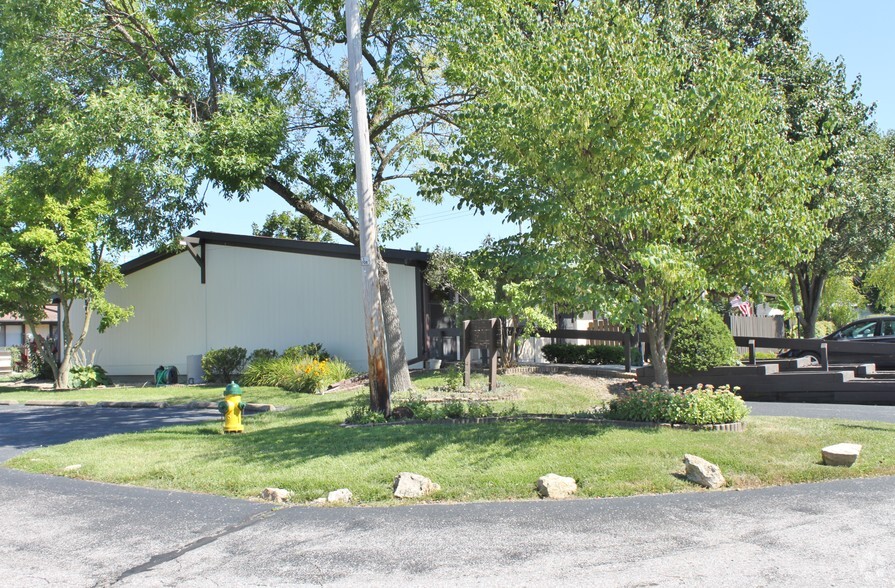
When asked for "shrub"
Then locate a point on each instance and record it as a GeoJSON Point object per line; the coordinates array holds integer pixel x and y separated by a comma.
{"type": "Point", "coordinates": [360, 413]}
{"type": "Point", "coordinates": [312, 350]}
{"type": "Point", "coordinates": [304, 374]}
{"type": "Point", "coordinates": [262, 354]}
{"type": "Point", "coordinates": [692, 406]}
{"type": "Point", "coordinates": [224, 365]}
{"type": "Point", "coordinates": [36, 364]}
{"type": "Point", "coordinates": [587, 354]}
{"type": "Point", "coordinates": [701, 344]}
{"type": "Point", "coordinates": [823, 328]}
{"type": "Point", "coordinates": [88, 376]}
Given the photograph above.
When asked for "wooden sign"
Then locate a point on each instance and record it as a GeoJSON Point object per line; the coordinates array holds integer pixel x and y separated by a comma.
{"type": "Point", "coordinates": [481, 334]}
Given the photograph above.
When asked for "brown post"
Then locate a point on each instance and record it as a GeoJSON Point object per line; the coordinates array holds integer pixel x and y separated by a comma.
{"type": "Point", "coordinates": [467, 360]}
{"type": "Point", "coordinates": [627, 343]}
{"type": "Point", "coordinates": [824, 357]}
{"type": "Point", "coordinates": [752, 360]}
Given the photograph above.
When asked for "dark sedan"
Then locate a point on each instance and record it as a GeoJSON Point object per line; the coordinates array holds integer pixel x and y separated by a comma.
{"type": "Point", "coordinates": [879, 329]}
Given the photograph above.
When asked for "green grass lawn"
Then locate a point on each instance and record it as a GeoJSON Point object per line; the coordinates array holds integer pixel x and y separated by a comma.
{"type": "Point", "coordinates": [306, 451]}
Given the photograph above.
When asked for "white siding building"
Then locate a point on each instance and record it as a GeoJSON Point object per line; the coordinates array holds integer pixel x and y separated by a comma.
{"type": "Point", "coordinates": [251, 292]}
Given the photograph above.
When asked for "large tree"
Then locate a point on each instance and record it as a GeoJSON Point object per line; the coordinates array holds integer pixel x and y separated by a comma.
{"type": "Point", "coordinates": [266, 85]}
{"type": "Point", "coordinates": [858, 196]}
{"type": "Point", "coordinates": [649, 180]}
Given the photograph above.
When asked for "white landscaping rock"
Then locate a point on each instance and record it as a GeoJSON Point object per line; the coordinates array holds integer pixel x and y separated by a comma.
{"type": "Point", "coordinates": [72, 468]}
{"type": "Point", "coordinates": [841, 454]}
{"type": "Point", "coordinates": [276, 494]}
{"type": "Point", "coordinates": [703, 472]}
{"type": "Point", "coordinates": [340, 495]}
{"type": "Point", "coordinates": [555, 486]}
{"type": "Point", "coordinates": [410, 485]}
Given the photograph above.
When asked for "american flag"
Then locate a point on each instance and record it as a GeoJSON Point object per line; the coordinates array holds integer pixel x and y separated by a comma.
{"type": "Point", "coordinates": [744, 307]}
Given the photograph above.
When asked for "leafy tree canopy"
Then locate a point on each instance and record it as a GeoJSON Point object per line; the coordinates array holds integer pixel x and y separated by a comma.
{"type": "Point", "coordinates": [286, 225]}
{"type": "Point", "coordinates": [648, 180]}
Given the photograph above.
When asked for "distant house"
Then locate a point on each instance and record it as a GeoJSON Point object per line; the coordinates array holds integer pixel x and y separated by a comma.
{"type": "Point", "coordinates": [254, 292]}
{"type": "Point", "coordinates": [14, 331]}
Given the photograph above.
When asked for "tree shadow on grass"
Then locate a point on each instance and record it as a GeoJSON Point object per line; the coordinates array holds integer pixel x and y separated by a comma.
{"type": "Point", "coordinates": [299, 443]}
{"type": "Point", "coordinates": [890, 429]}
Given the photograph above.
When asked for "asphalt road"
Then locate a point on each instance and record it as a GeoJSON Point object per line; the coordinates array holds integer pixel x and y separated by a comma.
{"type": "Point", "coordinates": [64, 532]}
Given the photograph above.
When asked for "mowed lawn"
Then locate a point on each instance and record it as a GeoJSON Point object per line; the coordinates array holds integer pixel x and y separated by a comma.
{"type": "Point", "coordinates": [306, 451]}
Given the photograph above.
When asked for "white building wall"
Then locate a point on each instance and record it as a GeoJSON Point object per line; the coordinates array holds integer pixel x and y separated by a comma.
{"type": "Point", "coordinates": [252, 298]}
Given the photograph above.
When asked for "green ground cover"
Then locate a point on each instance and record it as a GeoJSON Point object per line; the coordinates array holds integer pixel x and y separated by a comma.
{"type": "Point", "coordinates": [306, 451]}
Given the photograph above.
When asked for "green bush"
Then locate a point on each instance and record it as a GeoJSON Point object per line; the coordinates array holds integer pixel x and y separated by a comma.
{"type": "Point", "coordinates": [224, 365]}
{"type": "Point", "coordinates": [88, 376]}
{"type": "Point", "coordinates": [312, 350]}
{"type": "Point", "coordinates": [36, 364]}
{"type": "Point", "coordinates": [305, 374]}
{"type": "Point", "coordinates": [691, 406]}
{"type": "Point", "coordinates": [262, 354]}
{"type": "Point", "coordinates": [701, 344]}
{"type": "Point", "coordinates": [588, 354]}
{"type": "Point", "coordinates": [823, 328]}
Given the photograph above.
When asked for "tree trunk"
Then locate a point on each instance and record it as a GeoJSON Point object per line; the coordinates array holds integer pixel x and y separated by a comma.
{"type": "Point", "coordinates": [809, 290]}
{"type": "Point", "coordinates": [399, 373]}
{"type": "Point", "coordinates": [61, 373]}
{"type": "Point", "coordinates": [655, 332]}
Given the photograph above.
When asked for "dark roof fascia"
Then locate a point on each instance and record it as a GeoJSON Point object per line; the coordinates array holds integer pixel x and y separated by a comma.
{"type": "Point", "coordinates": [399, 256]}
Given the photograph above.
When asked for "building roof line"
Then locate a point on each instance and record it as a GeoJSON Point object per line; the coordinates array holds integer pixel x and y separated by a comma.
{"type": "Point", "coordinates": [400, 256]}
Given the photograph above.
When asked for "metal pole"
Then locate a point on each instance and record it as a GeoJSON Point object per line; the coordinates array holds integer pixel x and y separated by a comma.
{"type": "Point", "coordinates": [380, 397]}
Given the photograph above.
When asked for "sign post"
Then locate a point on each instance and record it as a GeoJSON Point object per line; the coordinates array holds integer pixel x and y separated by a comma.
{"type": "Point", "coordinates": [481, 334]}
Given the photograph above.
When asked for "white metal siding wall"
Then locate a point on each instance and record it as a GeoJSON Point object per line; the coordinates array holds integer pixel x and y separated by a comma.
{"type": "Point", "coordinates": [261, 298]}
{"type": "Point", "coordinates": [252, 298]}
{"type": "Point", "coordinates": [168, 322]}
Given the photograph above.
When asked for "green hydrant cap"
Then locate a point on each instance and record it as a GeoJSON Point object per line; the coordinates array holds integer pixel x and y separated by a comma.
{"type": "Point", "coordinates": [232, 389]}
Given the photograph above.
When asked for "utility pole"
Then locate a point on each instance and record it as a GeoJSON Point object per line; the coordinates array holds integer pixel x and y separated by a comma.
{"type": "Point", "coordinates": [380, 395]}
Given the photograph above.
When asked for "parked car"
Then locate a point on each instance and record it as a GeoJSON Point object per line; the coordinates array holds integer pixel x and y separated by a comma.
{"type": "Point", "coordinates": [879, 329]}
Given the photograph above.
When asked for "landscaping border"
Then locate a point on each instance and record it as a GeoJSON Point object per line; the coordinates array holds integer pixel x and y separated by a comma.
{"type": "Point", "coordinates": [593, 371]}
{"type": "Point", "coordinates": [737, 427]}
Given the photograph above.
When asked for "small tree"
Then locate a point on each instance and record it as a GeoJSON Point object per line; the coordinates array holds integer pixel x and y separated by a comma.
{"type": "Point", "coordinates": [53, 239]}
{"type": "Point", "coordinates": [491, 282]}
{"type": "Point", "coordinates": [287, 225]}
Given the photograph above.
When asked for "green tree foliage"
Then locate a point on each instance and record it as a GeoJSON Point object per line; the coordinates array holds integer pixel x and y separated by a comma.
{"type": "Point", "coordinates": [881, 279]}
{"type": "Point", "coordinates": [54, 232]}
{"type": "Point", "coordinates": [859, 188]}
{"type": "Point", "coordinates": [490, 282]}
{"type": "Point", "coordinates": [263, 87]}
{"type": "Point", "coordinates": [286, 225]}
{"type": "Point", "coordinates": [647, 180]}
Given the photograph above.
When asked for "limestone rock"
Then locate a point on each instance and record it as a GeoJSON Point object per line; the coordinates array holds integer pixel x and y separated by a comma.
{"type": "Point", "coordinates": [555, 486]}
{"type": "Point", "coordinates": [276, 494]}
{"type": "Point", "coordinates": [72, 468]}
{"type": "Point", "coordinates": [340, 495]}
{"type": "Point", "coordinates": [703, 472]}
{"type": "Point", "coordinates": [841, 454]}
{"type": "Point", "coordinates": [410, 485]}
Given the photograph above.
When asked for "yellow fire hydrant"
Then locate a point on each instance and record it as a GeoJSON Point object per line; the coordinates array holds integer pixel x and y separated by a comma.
{"type": "Point", "coordinates": [231, 407]}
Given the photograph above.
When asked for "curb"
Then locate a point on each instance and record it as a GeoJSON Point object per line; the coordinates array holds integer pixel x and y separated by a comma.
{"type": "Point", "coordinates": [737, 427]}
{"type": "Point", "coordinates": [127, 404]}
{"type": "Point", "coordinates": [250, 407]}
{"type": "Point", "coordinates": [76, 403]}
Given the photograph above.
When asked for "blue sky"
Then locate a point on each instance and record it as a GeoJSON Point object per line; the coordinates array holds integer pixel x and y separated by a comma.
{"type": "Point", "coordinates": [857, 30]}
